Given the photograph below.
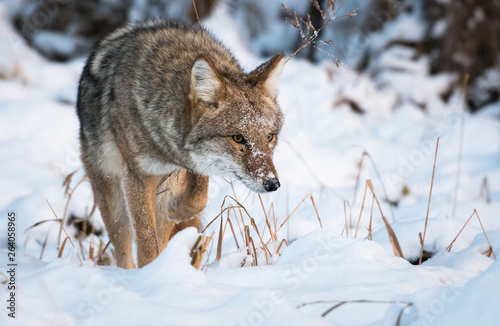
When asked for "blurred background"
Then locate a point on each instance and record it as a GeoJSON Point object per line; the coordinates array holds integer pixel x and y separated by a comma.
{"type": "Point", "coordinates": [385, 38]}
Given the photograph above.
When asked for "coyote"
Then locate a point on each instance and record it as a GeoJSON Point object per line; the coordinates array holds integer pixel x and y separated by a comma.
{"type": "Point", "coordinates": [162, 106]}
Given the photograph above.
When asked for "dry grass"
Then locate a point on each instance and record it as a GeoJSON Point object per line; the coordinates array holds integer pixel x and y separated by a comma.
{"type": "Point", "coordinates": [283, 241]}
{"type": "Point", "coordinates": [273, 235]}
{"type": "Point", "coordinates": [339, 303]}
{"type": "Point", "coordinates": [428, 205]}
{"type": "Point", "coordinates": [232, 230]}
{"type": "Point", "coordinates": [246, 223]}
{"type": "Point", "coordinates": [68, 192]}
{"type": "Point", "coordinates": [370, 228]}
{"type": "Point", "coordinates": [490, 249]}
{"type": "Point", "coordinates": [347, 227]}
{"type": "Point", "coordinates": [392, 235]}
{"type": "Point", "coordinates": [199, 249]}
{"type": "Point", "coordinates": [61, 250]}
{"type": "Point", "coordinates": [197, 17]}
{"type": "Point", "coordinates": [379, 177]}
{"type": "Point", "coordinates": [358, 176]}
{"type": "Point", "coordinates": [91, 252]}
{"type": "Point", "coordinates": [297, 207]}
{"type": "Point", "coordinates": [361, 210]}
{"type": "Point", "coordinates": [461, 143]}
{"type": "Point", "coordinates": [6, 280]}
{"type": "Point", "coordinates": [84, 226]}
{"type": "Point", "coordinates": [67, 236]}
{"type": "Point", "coordinates": [103, 256]}
{"type": "Point", "coordinates": [219, 243]}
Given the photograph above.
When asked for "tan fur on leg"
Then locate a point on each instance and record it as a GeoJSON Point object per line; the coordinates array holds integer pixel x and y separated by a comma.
{"type": "Point", "coordinates": [140, 192]}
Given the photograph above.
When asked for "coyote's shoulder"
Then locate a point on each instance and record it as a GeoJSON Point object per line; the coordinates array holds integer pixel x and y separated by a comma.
{"type": "Point", "coordinates": [164, 105]}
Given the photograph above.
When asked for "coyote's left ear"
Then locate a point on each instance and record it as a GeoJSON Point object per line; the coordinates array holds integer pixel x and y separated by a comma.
{"type": "Point", "coordinates": [206, 83]}
{"type": "Point", "coordinates": [268, 73]}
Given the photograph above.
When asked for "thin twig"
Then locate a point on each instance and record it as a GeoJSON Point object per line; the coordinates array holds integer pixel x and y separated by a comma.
{"type": "Point", "coordinates": [463, 227]}
{"type": "Point", "coordinates": [345, 217]}
{"type": "Point", "coordinates": [461, 144]}
{"type": "Point", "coordinates": [488, 240]}
{"type": "Point", "coordinates": [361, 211]}
{"type": "Point", "coordinates": [428, 204]}
{"type": "Point", "coordinates": [70, 194]}
{"type": "Point", "coordinates": [392, 235]}
{"type": "Point", "coordinates": [62, 227]}
{"type": "Point", "coordinates": [360, 168]}
{"type": "Point", "coordinates": [273, 236]}
{"type": "Point", "coordinates": [197, 17]}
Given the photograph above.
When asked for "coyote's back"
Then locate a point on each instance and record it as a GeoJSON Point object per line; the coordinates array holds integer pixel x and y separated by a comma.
{"type": "Point", "coordinates": [161, 107]}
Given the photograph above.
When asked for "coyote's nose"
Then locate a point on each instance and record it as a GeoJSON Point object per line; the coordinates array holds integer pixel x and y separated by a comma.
{"type": "Point", "coordinates": [271, 184]}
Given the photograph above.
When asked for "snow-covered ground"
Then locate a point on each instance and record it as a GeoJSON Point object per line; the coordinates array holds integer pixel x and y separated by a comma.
{"type": "Point", "coordinates": [320, 150]}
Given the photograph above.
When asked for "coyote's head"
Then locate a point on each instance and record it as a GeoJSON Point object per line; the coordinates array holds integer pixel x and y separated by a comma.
{"type": "Point", "coordinates": [235, 122]}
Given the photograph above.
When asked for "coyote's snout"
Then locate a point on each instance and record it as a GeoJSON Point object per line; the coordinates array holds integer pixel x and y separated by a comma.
{"type": "Point", "coordinates": [162, 107]}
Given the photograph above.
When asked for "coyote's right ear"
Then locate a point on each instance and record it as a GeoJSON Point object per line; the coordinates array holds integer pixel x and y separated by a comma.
{"type": "Point", "coordinates": [206, 82]}
{"type": "Point", "coordinates": [268, 73]}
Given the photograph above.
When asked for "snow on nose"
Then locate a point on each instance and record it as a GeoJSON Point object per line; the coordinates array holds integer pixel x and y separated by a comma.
{"type": "Point", "coordinates": [271, 184]}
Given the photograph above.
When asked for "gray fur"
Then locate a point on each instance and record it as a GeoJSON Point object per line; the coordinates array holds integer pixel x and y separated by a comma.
{"type": "Point", "coordinates": [157, 98]}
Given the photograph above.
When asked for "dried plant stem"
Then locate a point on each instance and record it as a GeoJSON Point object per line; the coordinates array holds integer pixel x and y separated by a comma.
{"type": "Point", "coordinates": [428, 204]}
{"type": "Point", "coordinates": [218, 215]}
{"type": "Point", "coordinates": [463, 227]}
{"type": "Point", "coordinates": [461, 143]}
{"type": "Point", "coordinates": [370, 229]}
{"type": "Point", "coordinates": [392, 235]}
{"type": "Point", "coordinates": [70, 194]}
{"type": "Point", "coordinates": [67, 235]}
{"type": "Point", "coordinates": [91, 252]}
{"type": "Point", "coordinates": [379, 176]}
{"type": "Point", "coordinates": [302, 159]}
{"type": "Point", "coordinates": [256, 263]}
{"type": "Point", "coordinates": [198, 250]}
{"type": "Point", "coordinates": [197, 17]}
{"type": "Point", "coordinates": [281, 243]}
{"type": "Point", "coordinates": [232, 231]}
{"type": "Point", "coordinates": [486, 236]}
{"type": "Point", "coordinates": [101, 253]}
{"type": "Point", "coordinates": [247, 239]}
{"type": "Point", "coordinates": [360, 168]}
{"type": "Point", "coordinates": [345, 217]}
{"type": "Point", "coordinates": [45, 241]}
{"type": "Point", "coordinates": [316, 210]}
{"type": "Point", "coordinates": [297, 207]}
{"type": "Point", "coordinates": [361, 211]}
{"type": "Point", "coordinates": [254, 225]}
{"type": "Point", "coordinates": [61, 250]}
{"type": "Point", "coordinates": [219, 242]}
{"type": "Point", "coordinates": [273, 236]}
{"type": "Point", "coordinates": [405, 304]}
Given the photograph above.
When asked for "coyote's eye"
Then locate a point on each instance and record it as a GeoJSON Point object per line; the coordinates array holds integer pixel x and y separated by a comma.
{"type": "Point", "coordinates": [239, 139]}
{"type": "Point", "coordinates": [271, 137]}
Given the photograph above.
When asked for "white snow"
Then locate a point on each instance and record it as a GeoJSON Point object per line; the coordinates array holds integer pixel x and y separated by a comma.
{"type": "Point", "coordinates": [319, 152]}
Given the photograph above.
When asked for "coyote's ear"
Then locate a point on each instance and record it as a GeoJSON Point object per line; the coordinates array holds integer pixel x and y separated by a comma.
{"type": "Point", "coordinates": [268, 73]}
{"type": "Point", "coordinates": [206, 82]}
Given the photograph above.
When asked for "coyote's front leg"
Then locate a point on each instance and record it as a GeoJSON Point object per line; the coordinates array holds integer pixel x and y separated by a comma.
{"type": "Point", "coordinates": [140, 192]}
{"type": "Point", "coordinates": [192, 200]}
{"type": "Point", "coordinates": [180, 199]}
